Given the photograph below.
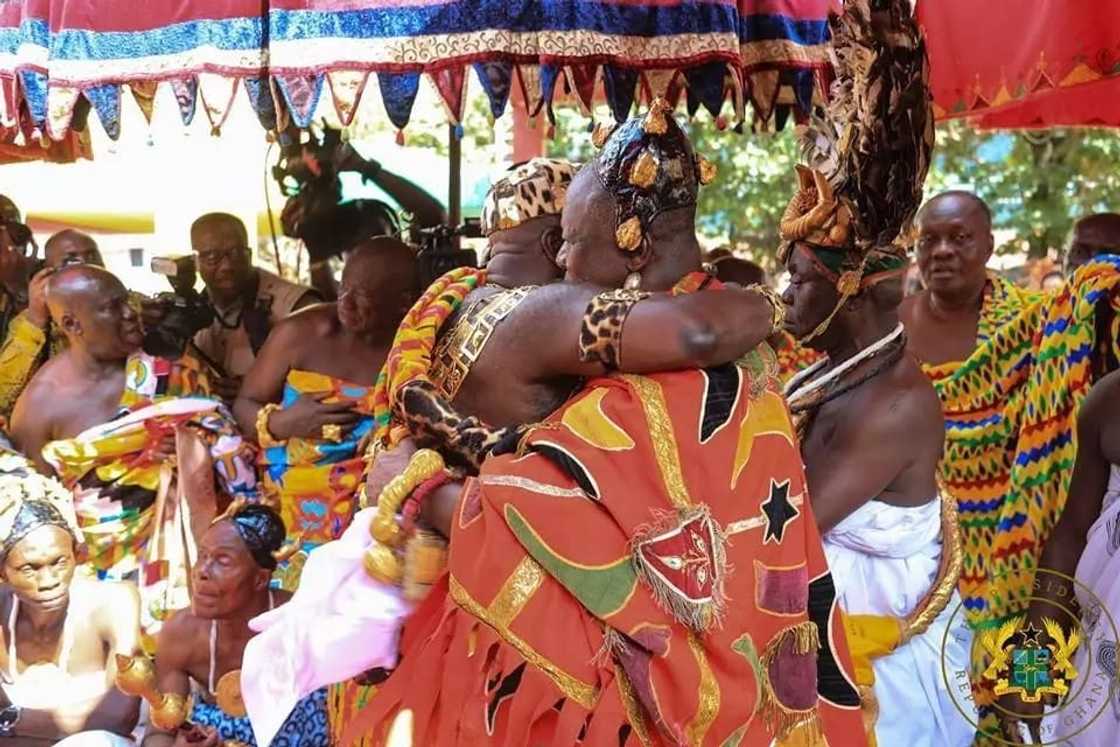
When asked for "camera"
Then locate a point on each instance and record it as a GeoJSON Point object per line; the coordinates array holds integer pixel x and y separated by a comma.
{"type": "Point", "coordinates": [439, 251]}
{"type": "Point", "coordinates": [183, 311]}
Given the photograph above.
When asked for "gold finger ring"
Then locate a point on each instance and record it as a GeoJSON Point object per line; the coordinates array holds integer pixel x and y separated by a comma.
{"type": "Point", "coordinates": [332, 432]}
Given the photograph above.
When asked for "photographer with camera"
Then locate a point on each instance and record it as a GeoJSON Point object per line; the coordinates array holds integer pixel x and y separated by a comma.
{"type": "Point", "coordinates": [309, 175]}
{"type": "Point", "coordinates": [31, 338]}
{"type": "Point", "coordinates": [247, 301]}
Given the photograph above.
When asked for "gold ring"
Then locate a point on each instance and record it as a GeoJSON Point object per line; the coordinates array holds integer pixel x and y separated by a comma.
{"type": "Point", "coordinates": [332, 432]}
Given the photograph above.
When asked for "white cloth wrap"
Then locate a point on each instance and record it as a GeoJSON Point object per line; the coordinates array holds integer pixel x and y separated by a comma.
{"type": "Point", "coordinates": [1091, 717]}
{"type": "Point", "coordinates": [339, 623]}
{"type": "Point", "coordinates": [884, 559]}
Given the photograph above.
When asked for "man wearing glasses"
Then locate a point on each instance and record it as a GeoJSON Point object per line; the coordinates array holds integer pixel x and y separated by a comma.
{"type": "Point", "coordinates": [247, 300]}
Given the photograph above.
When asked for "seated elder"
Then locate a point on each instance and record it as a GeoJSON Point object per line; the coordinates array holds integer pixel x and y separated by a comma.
{"type": "Point", "coordinates": [200, 648]}
{"type": "Point", "coordinates": [61, 633]}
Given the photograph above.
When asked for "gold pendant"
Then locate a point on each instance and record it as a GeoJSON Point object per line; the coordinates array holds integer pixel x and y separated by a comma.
{"type": "Point", "coordinates": [228, 695]}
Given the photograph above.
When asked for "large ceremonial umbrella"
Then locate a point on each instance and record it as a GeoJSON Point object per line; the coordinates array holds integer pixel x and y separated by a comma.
{"type": "Point", "coordinates": [1024, 63]}
{"type": "Point", "coordinates": [58, 58]}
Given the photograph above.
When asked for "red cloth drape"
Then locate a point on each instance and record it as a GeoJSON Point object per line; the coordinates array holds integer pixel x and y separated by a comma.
{"type": "Point", "coordinates": [1032, 61]}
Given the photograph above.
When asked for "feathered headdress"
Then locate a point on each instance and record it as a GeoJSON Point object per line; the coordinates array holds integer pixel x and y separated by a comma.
{"type": "Point", "coordinates": [868, 150]}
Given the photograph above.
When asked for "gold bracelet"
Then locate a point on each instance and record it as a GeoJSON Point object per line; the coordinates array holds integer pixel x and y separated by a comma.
{"type": "Point", "coordinates": [264, 435]}
{"type": "Point", "coordinates": [777, 307]}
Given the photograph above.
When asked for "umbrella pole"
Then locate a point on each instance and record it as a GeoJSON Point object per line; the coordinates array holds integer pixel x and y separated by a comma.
{"type": "Point", "coordinates": [455, 177]}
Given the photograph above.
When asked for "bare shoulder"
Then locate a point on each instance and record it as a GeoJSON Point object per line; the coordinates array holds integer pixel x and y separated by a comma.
{"type": "Point", "coordinates": [110, 603]}
{"type": "Point", "coordinates": [52, 374]}
{"type": "Point", "coordinates": [318, 318]}
{"type": "Point", "coordinates": [1104, 398]}
{"type": "Point", "coordinates": [1101, 408]}
{"type": "Point", "coordinates": [112, 597]}
{"type": "Point", "coordinates": [39, 404]}
{"type": "Point", "coordinates": [905, 406]}
{"type": "Point", "coordinates": [178, 638]}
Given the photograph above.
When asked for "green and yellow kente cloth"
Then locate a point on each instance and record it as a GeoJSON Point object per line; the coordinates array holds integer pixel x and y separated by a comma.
{"type": "Point", "coordinates": [411, 353]}
{"type": "Point", "coordinates": [1010, 420]}
{"type": "Point", "coordinates": [979, 453]}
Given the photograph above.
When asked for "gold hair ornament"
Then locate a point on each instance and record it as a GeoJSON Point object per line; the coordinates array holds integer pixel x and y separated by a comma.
{"type": "Point", "coordinates": [629, 234]}
{"type": "Point", "coordinates": [706, 170]}
{"type": "Point", "coordinates": [656, 122]}
{"type": "Point", "coordinates": [231, 510]}
{"type": "Point", "coordinates": [815, 214]}
{"type": "Point", "coordinates": [643, 173]}
{"type": "Point", "coordinates": [601, 134]}
{"type": "Point", "coordinates": [288, 549]}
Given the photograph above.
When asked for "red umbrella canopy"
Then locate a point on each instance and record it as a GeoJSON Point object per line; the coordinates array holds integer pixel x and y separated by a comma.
{"type": "Point", "coordinates": [1024, 63]}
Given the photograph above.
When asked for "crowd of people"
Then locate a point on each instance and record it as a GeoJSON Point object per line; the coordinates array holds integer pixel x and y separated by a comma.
{"type": "Point", "coordinates": [604, 489]}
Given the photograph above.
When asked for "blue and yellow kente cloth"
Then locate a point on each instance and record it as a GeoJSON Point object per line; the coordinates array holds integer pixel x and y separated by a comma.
{"type": "Point", "coordinates": [314, 481]}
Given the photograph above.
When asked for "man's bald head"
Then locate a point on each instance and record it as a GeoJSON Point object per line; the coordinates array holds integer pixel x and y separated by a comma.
{"type": "Point", "coordinates": [1093, 235]}
{"type": "Point", "coordinates": [954, 245]}
{"type": "Point", "coordinates": [72, 247]}
{"type": "Point", "coordinates": [379, 283]}
{"type": "Point", "coordinates": [92, 308]}
{"type": "Point", "coordinates": [957, 202]}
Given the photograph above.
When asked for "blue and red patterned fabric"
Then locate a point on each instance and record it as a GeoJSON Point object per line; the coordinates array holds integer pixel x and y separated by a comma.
{"type": "Point", "coordinates": [53, 52]}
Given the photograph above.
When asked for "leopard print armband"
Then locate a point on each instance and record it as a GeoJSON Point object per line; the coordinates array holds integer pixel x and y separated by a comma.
{"type": "Point", "coordinates": [600, 336]}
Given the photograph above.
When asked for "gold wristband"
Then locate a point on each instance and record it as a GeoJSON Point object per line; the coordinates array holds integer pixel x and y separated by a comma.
{"type": "Point", "coordinates": [264, 435]}
{"type": "Point", "coordinates": [777, 307]}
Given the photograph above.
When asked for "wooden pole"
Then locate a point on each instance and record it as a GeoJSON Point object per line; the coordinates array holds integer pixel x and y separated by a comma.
{"type": "Point", "coordinates": [455, 178]}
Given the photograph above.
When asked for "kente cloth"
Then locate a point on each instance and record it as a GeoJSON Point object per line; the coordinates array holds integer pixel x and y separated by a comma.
{"type": "Point", "coordinates": [647, 570]}
{"type": "Point", "coordinates": [306, 725]}
{"type": "Point", "coordinates": [411, 354]}
{"type": "Point", "coordinates": [793, 358]}
{"type": "Point", "coordinates": [133, 507]}
{"type": "Point", "coordinates": [339, 608]}
{"type": "Point", "coordinates": [315, 481]}
{"type": "Point", "coordinates": [1010, 421]}
{"type": "Point", "coordinates": [1091, 717]}
{"type": "Point", "coordinates": [23, 351]}
{"type": "Point", "coordinates": [885, 559]}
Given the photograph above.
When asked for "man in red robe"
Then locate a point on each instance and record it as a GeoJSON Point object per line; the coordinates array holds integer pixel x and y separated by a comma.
{"type": "Point", "coordinates": [645, 567]}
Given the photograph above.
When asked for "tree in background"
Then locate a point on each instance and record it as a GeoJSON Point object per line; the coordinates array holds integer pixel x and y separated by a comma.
{"type": "Point", "coordinates": [1037, 183]}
